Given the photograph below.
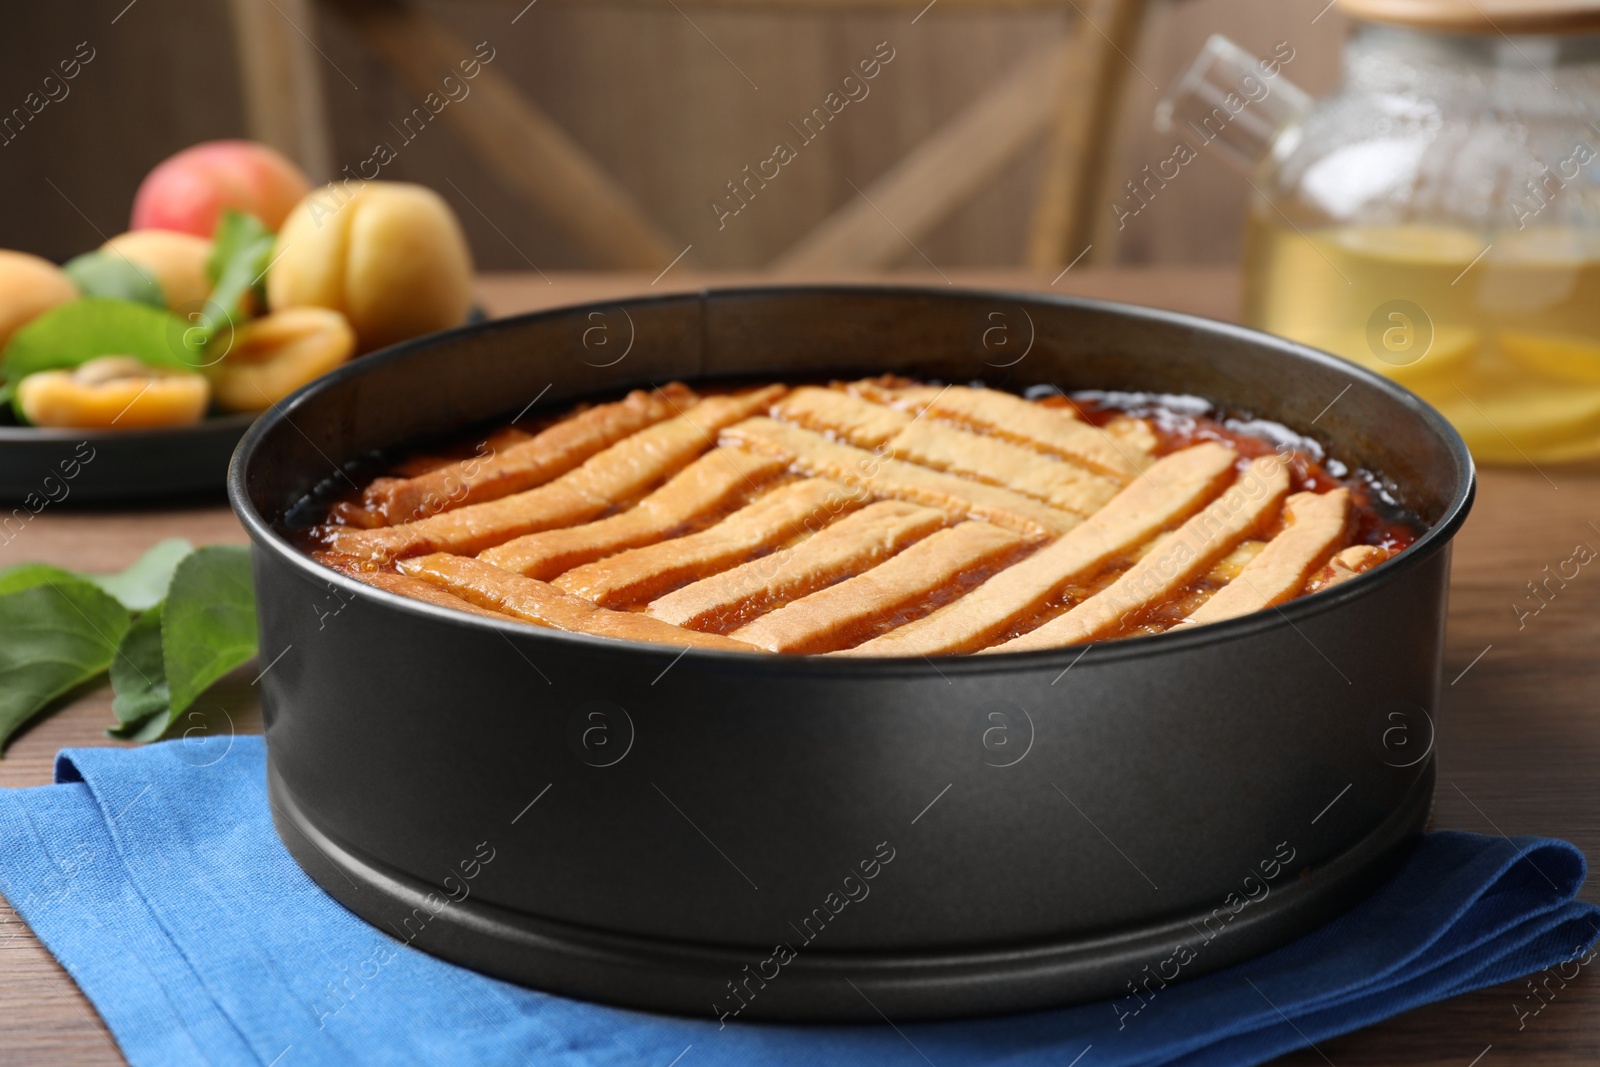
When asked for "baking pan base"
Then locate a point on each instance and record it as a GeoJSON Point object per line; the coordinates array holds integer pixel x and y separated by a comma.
{"type": "Point", "coordinates": [688, 979]}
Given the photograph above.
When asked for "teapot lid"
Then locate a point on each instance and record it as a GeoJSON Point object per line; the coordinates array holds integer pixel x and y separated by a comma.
{"type": "Point", "coordinates": [1481, 16]}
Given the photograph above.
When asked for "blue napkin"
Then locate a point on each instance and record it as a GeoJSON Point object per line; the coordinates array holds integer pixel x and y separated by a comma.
{"type": "Point", "coordinates": [155, 877]}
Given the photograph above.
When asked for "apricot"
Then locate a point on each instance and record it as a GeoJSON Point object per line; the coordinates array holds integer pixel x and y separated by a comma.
{"type": "Point", "coordinates": [176, 260]}
{"type": "Point", "coordinates": [189, 191]}
{"type": "Point", "coordinates": [29, 286]}
{"type": "Point", "coordinates": [389, 255]}
{"type": "Point", "coordinates": [276, 354]}
{"type": "Point", "coordinates": [113, 393]}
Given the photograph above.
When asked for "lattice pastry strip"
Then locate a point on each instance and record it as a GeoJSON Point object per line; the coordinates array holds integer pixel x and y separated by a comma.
{"type": "Point", "coordinates": [1317, 524]}
{"type": "Point", "coordinates": [1169, 491]}
{"type": "Point", "coordinates": [627, 468]}
{"type": "Point", "coordinates": [881, 476]}
{"type": "Point", "coordinates": [843, 614]}
{"type": "Point", "coordinates": [1049, 429]}
{"type": "Point", "coordinates": [880, 518]}
{"type": "Point", "coordinates": [853, 544]}
{"type": "Point", "coordinates": [702, 488]}
{"type": "Point", "coordinates": [529, 462]}
{"type": "Point", "coordinates": [639, 574]}
{"type": "Point", "coordinates": [1248, 505]}
{"type": "Point", "coordinates": [861, 422]}
{"type": "Point", "coordinates": [943, 447]}
{"type": "Point", "coordinates": [531, 600]}
{"type": "Point", "coordinates": [418, 589]}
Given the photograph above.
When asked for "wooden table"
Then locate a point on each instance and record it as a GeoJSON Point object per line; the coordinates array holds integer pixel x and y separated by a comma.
{"type": "Point", "coordinates": [1519, 731]}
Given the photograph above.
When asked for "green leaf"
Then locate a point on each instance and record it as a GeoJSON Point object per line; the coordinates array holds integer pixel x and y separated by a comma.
{"type": "Point", "coordinates": [208, 626]}
{"type": "Point", "coordinates": [111, 274]}
{"type": "Point", "coordinates": [241, 251]}
{"type": "Point", "coordinates": [142, 702]}
{"type": "Point", "coordinates": [71, 334]}
{"type": "Point", "coordinates": [27, 575]}
{"type": "Point", "coordinates": [144, 584]}
{"type": "Point", "coordinates": [205, 628]}
{"type": "Point", "coordinates": [58, 634]}
{"type": "Point", "coordinates": [235, 231]}
{"type": "Point", "coordinates": [140, 587]}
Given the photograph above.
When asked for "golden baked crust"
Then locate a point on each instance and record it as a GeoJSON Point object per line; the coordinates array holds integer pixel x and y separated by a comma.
{"type": "Point", "coordinates": [872, 518]}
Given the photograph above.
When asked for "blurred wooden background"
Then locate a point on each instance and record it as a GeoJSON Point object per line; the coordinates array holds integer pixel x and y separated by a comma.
{"type": "Point", "coordinates": [672, 99]}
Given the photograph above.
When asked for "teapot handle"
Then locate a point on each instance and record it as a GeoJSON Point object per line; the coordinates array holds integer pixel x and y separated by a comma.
{"type": "Point", "coordinates": [1237, 100]}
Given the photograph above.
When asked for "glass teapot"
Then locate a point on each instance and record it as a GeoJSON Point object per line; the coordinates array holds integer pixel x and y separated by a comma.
{"type": "Point", "coordinates": [1437, 218]}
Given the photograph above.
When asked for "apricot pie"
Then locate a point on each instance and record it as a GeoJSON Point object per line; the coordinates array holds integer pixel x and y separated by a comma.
{"type": "Point", "coordinates": [883, 517]}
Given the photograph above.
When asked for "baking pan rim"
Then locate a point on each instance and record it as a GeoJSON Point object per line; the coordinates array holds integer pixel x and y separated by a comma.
{"type": "Point", "coordinates": [1436, 537]}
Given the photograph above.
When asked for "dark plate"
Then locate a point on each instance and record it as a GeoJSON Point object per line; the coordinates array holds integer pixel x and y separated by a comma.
{"type": "Point", "coordinates": [595, 817]}
{"type": "Point", "coordinates": [40, 468]}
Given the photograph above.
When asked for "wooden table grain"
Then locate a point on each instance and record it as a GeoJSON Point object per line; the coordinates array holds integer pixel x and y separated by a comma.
{"type": "Point", "coordinates": [1518, 732]}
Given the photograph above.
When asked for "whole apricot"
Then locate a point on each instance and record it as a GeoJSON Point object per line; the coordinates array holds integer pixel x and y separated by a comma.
{"type": "Point", "coordinates": [189, 191]}
{"type": "Point", "coordinates": [389, 255]}
{"type": "Point", "coordinates": [176, 260]}
{"type": "Point", "coordinates": [29, 286]}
